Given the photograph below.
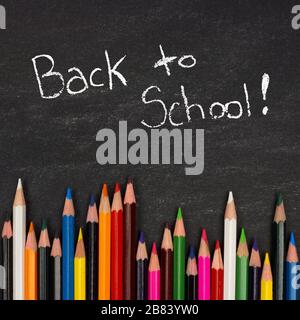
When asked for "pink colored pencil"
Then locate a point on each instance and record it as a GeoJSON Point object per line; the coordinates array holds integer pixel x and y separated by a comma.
{"type": "Point", "coordinates": [204, 268]}
{"type": "Point", "coordinates": [154, 276]}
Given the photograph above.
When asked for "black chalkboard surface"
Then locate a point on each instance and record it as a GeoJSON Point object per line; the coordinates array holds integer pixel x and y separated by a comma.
{"type": "Point", "coordinates": [51, 143]}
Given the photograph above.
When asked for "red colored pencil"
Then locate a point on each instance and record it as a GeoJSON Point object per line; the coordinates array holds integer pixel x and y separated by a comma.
{"type": "Point", "coordinates": [117, 246]}
{"type": "Point", "coordinates": [217, 274]}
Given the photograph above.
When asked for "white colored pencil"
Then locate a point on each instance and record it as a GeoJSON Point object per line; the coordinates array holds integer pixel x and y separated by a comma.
{"type": "Point", "coordinates": [19, 227]}
{"type": "Point", "coordinates": [229, 249]}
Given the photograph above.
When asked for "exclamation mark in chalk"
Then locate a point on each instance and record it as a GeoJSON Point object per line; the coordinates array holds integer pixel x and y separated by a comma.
{"type": "Point", "coordinates": [264, 88]}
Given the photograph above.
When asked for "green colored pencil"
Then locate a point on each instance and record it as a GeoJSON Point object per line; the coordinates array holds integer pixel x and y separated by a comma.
{"type": "Point", "coordinates": [242, 265]}
{"type": "Point", "coordinates": [179, 259]}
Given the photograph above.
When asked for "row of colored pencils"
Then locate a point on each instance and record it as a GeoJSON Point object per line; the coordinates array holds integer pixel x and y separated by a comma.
{"type": "Point", "coordinates": [109, 263]}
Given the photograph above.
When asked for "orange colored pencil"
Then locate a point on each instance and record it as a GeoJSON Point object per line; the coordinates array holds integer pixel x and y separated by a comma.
{"type": "Point", "coordinates": [104, 246]}
{"type": "Point", "coordinates": [31, 274]}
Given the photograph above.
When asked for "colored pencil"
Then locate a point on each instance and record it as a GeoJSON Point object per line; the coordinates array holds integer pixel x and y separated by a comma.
{"type": "Point", "coordinates": [31, 267]}
{"type": "Point", "coordinates": [68, 248]}
{"type": "Point", "coordinates": [154, 275]}
{"type": "Point", "coordinates": [191, 275]}
{"type": "Point", "coordinates": [217, 274]}
{"type": "Point", "coordinates": [129, 244]}
{"type": "Point", "coordinates": [292, 260]}
{"type": "Point", "coordinates": [204, 268]}
{"type": "Point", "coordinates": [242, 268]}
{"type": "Point", "coordinates": [2, 273]}
{"type": "Point", "coordinates": [104, 246]}
{"type": "Point", "coordinates": [19, 227]}
{"type": "Point", "coordinates": [142, 269]}
{"type": "Point", "coordinates": [229, 249]}
{"type": "Point", "coordinates": [254, 273]}
{"type": "Point", "coordinates": [80, 269]}
{"type": "Point", "coordinates": [266, 287]}
{"type": "Point", "coordinates": [179, 259]}
{"type": "Point", "coordinates": [166, 255]}
{"type": "Point", "coordinates": [279, 248]}
{"type": "Point", "coordinates": [56, 269]}
{"type": "Point", "coordinates": [44, 264]}
{"type": "Point", "coordinates": [92, 251]}
{"type": "Point", "coordinates": [7, 240]}
{"type": "Point", "coordinates": [117, 245]}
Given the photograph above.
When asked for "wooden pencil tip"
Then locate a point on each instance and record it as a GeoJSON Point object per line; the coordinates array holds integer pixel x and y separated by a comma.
{"type": "Point", "coordinates": [279, 199]}
{"type": "Point", "coordinates": [31, 227]}
{"type": "Point", "coordinates": [154, 250]}
{"type": "Point", "coordinates": [243, 236]}
{"type": "Point", "coordinates": [69, 193]}
{"type": "Point", "coordinates": [255, 245]}
{"type": "Point", "coordinates": [142, 237]}
{"type": "Point", "coordinates": [104, 190]}
{"type": "Point", "coordinates": [192, 252]}
{"type": "Point", "coordinates": [19, 186]}
{"type": "Point", "coordinates": [217, 246]}
{"type": "Point", "coordinates": [44, 224]}
{"type": "Point", "coordinates": [292, 239]}
{"type": "Point", "coordinates": [179, 214]}
{"type": "Point", "coordinates": [117, 187]}
{"type": "Point", "coordinates": [204, 235]}
{"type": "Point", "coordinates": [267, 259]}
{"type": "Point", "coordinates": [80, 237]}
{"type": "Point", "coordinates": [92, 200]}
{"type": "Point", "coordinates": [230, 197]}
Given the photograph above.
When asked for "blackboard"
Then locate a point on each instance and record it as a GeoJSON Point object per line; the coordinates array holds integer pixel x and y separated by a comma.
{"type": "Point", "coordinates": [51, 144]}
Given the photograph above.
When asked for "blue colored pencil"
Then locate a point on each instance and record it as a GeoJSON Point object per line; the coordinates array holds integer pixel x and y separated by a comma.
{"type": "Point", "coordinates": [291, 265]}
{"type": "Point", "coordinates": [68, 248]}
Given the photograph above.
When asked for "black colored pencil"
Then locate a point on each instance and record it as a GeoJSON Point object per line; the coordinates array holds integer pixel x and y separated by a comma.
{"type": "Point", "coordinates": [55, 262]}
{"type": "Point", "coordinates": [191, 276]}
{"type": "Point", "coordinates": [7, 258]}
{"type": "Point", "coordinates": [44, 264]}
{"type": "Point", "coordinates": [254, 273]}
{"type": "Point", "coordinates": [92, 251]}
{"type": "Point", "coordinates": [142, 269]}
{"type": "Point", "coordinates": [279, 223]}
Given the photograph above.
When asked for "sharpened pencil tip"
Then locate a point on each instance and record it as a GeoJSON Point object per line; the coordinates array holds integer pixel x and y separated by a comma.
{"type": "Point", "coordinates": [44, 224]}
{"type": "Point", "coordinates": [267, 259]}
{"type": "Point", "coordinates": [8, 217]}
{"type": "Point", "coordinates": [278, 199]}
{"type": "Point", "coordinates": [243, 236]}
{"type": "Point", "coordinates": [292, 239]}
{"type": "Point", "coordinates": [255, 245]}
{"type": "Point", "coordinates": [117, 187]}
{"type": "Point", "coordinates": [154, 250]}
{"type": "Point", "coordinates": [130, 180]}
{"type": "Point", "coordinates": [179, 214]}
{"type": "Point", "coordinates": [142, 237]}
{"type": "Point", "coordinates": [92, 200]}
{"type": "Point", "coordinates": [230, 197]}
{"type": "Point", "coordinates": [104, 190]}
{"type": "Point", "coordinates": [69, 194]}
{"type": "Point", "coordinates": [31, 227]}
{"type": "Point", "coordinates": [192, 252]}
{"type": "Point", "coordinates": [217, 246]}
{"type": "Point", "coordinates": [80, 237]}
{"type": "Point", "coordinates": [19, 186]}
{"type": "Point", "coordinates": [204, 235]}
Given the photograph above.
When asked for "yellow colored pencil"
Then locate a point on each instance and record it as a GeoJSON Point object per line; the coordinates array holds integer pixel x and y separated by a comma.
{"type": "Point", "coordinates": [80, 270]}
{"type": "Point", "coordinates": [266, 290]}
{"type": "Point", "coordinates": [104, 246]}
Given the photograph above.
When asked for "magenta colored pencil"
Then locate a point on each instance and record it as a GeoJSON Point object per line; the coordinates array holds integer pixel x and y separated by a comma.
{"type": "Point", "coordinates": [154, 276]}
{"type": "Point", "coordinates": [204, 268]}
